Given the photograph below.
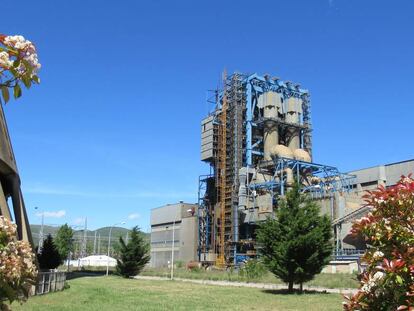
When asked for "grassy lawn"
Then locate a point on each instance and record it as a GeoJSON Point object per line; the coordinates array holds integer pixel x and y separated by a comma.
{"type": "Point", "coordinates": [328, 280]}
{"type": "Point", "coordinates": [114, 293]}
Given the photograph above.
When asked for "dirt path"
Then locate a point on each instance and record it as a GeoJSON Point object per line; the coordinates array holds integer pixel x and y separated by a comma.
{"type": "Point", "coordinates": [344, 291]}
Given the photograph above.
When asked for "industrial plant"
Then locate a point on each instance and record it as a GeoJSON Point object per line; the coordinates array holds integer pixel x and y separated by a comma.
{"type": "Point", "coordinates": [258, 143]}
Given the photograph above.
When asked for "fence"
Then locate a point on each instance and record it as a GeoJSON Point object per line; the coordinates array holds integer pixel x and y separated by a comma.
{"type": "Point", "coordinates": [50, 281]}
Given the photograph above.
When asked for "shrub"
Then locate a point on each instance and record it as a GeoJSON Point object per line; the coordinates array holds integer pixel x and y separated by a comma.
{"type": "Point", "coordinates": [17, 268]}
{"type": "Point", "coordinates": [388, 281]}
{"type": "Point", "coordinates": [253, 270]}
{"type": "Point", "coordinates": [179, 264]}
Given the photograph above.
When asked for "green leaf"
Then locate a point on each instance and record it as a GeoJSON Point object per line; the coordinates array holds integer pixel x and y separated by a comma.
{"type": "Point", "coordinates": [5, 93]}
{"type": "Point", "coordinates": [16, 63]}
{"type": "Point", "coordinates": [399, 279]}
{"type": "Point", "coordinates": [36, 79]}
{"type": "Point", "coordinates": [17, 91]}
{"type": "Point", "coordinates": [26, 81]}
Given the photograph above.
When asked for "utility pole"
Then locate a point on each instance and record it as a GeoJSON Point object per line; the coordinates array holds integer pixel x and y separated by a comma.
{"type": "Point", "coordinates": [84, 238]}
{"type": "Point", "coordinates": [94, 244]}
{"type": "Point", "coordinates": [109, 244]}
{"type": "Point", "coordinates": [80, 245]}
{"type": "Point", "coordinates": [99, 244]}
{"type": "Point", "coordinates": [41, 235]}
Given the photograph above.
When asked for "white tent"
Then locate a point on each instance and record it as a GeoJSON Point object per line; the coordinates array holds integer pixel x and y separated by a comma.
{"type": "Point", "coordinates": [97, 261]}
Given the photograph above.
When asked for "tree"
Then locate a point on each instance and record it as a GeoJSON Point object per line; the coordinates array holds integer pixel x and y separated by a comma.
{"type": "Point", "coordinates": [296, 244]}
{"type": "Point", "coordinates": [134, 255]}
{"type": "Point", "coordinates": [49, 257]}
{"type": "Point", "coordinates": [387, 283]}
{"type": "Point", "coordinates": [64, 241]}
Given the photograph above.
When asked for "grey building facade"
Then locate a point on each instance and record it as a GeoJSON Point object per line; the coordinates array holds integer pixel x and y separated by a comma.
{"type": "Point", "coordinates": [347, 207]}
{"type": "Point", "coordinates": [178, 223]}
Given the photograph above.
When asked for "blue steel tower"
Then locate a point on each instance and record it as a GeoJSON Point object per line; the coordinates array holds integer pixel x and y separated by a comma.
{"type": "Point", "coordinates": [258, 141]}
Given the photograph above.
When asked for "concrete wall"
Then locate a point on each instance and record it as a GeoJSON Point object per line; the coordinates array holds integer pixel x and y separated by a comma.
{"type": "Point", "coordinates": [188, 240]}
{"type": "Point", "coordinates": [341, 267]}
{"type": "Point", "coordinates": [394, 171]}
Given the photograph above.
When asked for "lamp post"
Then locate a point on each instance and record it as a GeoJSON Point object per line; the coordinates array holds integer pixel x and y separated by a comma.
{"type": "Point", "coordinates": [190, 211]}
{"type": "Point", "coordinates": [172, 251]}
{"type": "Point", "coordinates": [109, 244]}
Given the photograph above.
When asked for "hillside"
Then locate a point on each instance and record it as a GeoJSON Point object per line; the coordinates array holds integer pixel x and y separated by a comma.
{"type": "Point", "coordinates": [103, 232]}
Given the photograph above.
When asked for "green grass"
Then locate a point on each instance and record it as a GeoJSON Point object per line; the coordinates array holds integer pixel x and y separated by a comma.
{"type": "Point", "coordinates": [114, 293]}
{"type": "Point", "coordinates": [328, 280]}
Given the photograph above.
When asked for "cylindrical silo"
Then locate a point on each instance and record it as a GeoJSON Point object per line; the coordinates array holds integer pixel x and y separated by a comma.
{"type": "Point", "coordinates": [271, 135]}
{"type": "Point", "coordinates": [293, 115]}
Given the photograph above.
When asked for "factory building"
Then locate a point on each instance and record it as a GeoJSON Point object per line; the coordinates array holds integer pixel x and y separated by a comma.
{"type": "Point", "coordinates": [257, 142]}
{"type": "Point", "coordinates": [173, 229]}
{"type": "Point", "coordinates": [350, 207]}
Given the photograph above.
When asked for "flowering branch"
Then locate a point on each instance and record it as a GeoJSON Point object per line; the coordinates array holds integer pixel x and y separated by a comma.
{"type": "Point", "coordinates": [19, 64]}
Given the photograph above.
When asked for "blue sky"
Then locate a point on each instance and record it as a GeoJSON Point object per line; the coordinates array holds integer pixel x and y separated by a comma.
{"type": "Point", "coordinates": [113, 129]}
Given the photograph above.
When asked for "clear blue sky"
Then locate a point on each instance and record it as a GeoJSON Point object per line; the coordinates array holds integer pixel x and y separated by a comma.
{"type": "Point", "coordinates": [113, 129]}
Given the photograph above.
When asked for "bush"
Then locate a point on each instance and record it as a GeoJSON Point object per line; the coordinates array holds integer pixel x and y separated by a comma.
{"type": "Point", "coordinates": [179, 264]}
{"type": "Point", "coordinates": [388, 281]}
{"type": "Point", "coordinates": [17, 268]}
{"type": "Point", "coordinates": [253, 270]}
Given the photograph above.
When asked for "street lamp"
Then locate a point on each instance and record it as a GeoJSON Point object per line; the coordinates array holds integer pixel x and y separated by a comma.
{"type": "Point", "coordinates": [172, 251]}
{"type": "Point", "coordinates": [109, 244]}
{"type": "Point", "coordinates": [190, 211]}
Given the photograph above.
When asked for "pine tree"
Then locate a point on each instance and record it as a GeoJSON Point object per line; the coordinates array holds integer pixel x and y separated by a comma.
{"type": "Point", "coordinates": [296, 244]}
{"type": "Point", "coordinates": [49, 257]}
{"type": "Point", "coordinates": [64, 241]}
{"type": "Point", "coordinates": [134, 255]}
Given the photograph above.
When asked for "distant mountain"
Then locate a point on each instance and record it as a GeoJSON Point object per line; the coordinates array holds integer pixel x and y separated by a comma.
{"type": "Point", "coordinates": [78, 234]}
{"type": "Point", "coordinates": [95, 244]}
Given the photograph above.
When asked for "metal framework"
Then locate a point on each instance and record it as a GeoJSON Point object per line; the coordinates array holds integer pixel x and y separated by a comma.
{"type": "Point", "coordinates": [256, 86]}
{"type": "Point", "coordinates": [329, 178]}
{"type": "Point", "coordinates": [239, 122]}
{"type": "Point", "coordinates": [222, 180]}
{"type": "Point", "coordinates": [204, 217]}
